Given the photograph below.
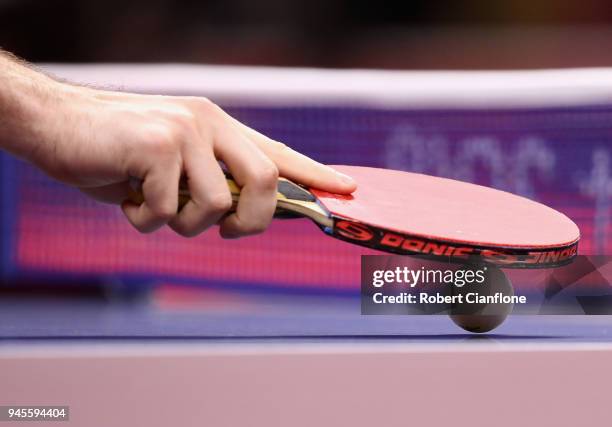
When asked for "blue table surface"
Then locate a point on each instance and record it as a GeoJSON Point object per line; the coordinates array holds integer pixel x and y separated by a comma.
{"type": "Point", "coordinates": [319, 319]}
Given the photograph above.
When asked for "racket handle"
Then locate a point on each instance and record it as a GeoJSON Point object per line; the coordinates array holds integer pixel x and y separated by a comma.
{"type": "Point", "coordinates": [286, 190]}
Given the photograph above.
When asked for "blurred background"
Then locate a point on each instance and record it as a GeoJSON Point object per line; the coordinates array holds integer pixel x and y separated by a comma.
{"type": "Point", "coordinates": [464, 34]}
{"type": "Point", "coordinates": [54, 240]}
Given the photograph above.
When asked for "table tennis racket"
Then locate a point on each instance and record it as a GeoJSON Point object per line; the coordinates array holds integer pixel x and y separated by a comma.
{"type": "Point", "coordinates": [414, 214]}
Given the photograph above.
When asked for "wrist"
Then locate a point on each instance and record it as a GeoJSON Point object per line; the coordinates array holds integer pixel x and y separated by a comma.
{"type": "Point", "coordinates": [42, 117]}
{"type": "Point", "coordinates": [57, 124]}
{"type": "Point", "coordinates": [25, 109]}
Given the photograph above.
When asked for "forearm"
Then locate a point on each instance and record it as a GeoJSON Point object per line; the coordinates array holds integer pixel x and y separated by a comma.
{"type": "Point", "coordinates": [31, 108]}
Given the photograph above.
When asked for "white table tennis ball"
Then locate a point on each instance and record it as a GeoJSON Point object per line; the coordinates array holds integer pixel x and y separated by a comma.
{"type": "Point", "coordinates": [481, 318]}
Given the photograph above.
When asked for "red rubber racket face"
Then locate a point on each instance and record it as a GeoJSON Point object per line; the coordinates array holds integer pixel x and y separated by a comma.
{"type": "Point", "coordinates": [405, 212]}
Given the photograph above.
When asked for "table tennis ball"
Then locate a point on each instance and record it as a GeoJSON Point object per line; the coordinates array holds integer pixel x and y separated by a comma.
{"type": "Point", "coordinates": [482, 317]}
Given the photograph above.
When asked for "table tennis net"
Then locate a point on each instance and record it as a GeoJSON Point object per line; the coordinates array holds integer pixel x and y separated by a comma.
{"type": "Point", "coordinates": [556, 152]}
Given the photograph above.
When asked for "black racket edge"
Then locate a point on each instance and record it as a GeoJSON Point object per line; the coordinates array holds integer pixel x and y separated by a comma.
{"type": "Point", "coordinates": [418, 246]}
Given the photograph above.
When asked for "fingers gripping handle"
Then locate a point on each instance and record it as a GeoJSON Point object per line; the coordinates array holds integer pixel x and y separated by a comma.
{"type": "Point", "coordinates": [292, 200]}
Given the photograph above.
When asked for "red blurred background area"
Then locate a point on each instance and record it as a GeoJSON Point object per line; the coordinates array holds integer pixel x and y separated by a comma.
{"type": "Point", "coordinates": [556, 154]}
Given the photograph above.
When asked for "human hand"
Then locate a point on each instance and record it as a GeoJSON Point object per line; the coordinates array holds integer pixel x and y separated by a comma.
{"type": "Point", "coordinates": [99, 140]}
